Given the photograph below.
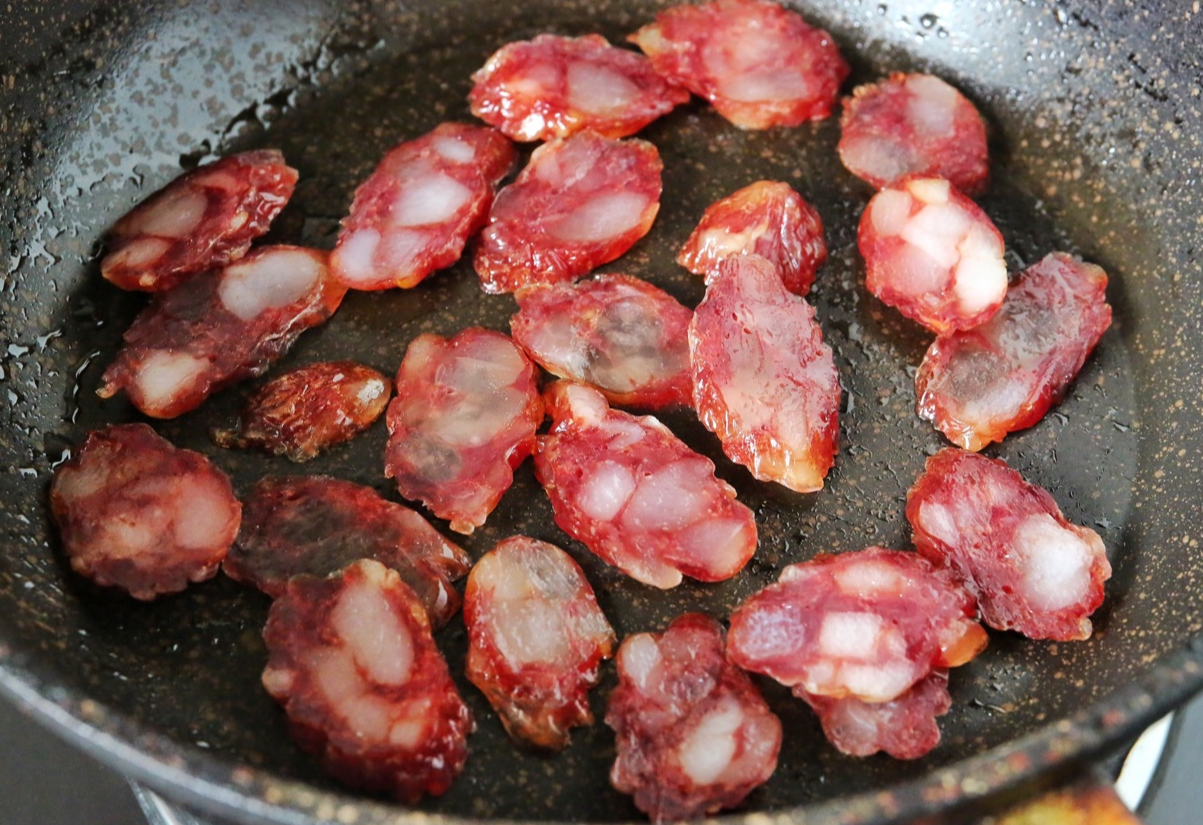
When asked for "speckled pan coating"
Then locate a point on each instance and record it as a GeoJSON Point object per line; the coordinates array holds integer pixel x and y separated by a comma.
{"type": "Point", "coordinates": [1096, 121]}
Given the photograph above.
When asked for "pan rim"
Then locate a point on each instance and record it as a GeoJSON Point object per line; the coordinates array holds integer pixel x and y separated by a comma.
{"type": "Point", "coordinates": [184, 773]}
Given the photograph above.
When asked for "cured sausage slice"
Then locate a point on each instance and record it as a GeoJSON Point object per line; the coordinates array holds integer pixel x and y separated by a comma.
{"type": "Point", "coordinates": [767, 218]}
{"type": "Point", "coordinates": [635, 495]}
{"type": "Point", "coordinates": [135, 512]}
{"type": "Point", "coordinates": [759, 64]}
{"type": "Point", "coordinates": [933, 254]}
{"type": "Point", "coordinates": [868, 624]}
{"type": "Point", "coordinates": [318, 525]}
{"type": "Point", "coordinates": [210, 332]}
{"type": "Point", "coordinates": [464, 417]}
{"type": "Point", "coordinates": [418, 209]}
{"type": "Point", "coordinates": [352, 662]}
{"type": "Point", "coordinates": [914, 124]}
{"type": "Point", "coordinates": [763, 380]}
{"type": "Point", "coordinates": [979, 384]}
{"type": "Point", "coordinates": [694, 735]}
{"type": "Point", "coordinates": [553, 86]}
{"type": "Point", "coordinates": [579, 203]}
{"type": "Point", "coordinates": [619, 334]}
{"type": "Point", "coordinates": [905, 727]}
{"type": "Point", "coordinates": [304, 411]}
{"type": "Point", "coordinates": [1008, 542]}
{"type": "Point", "coordinates": [536, 639]}
{"type": "Point", "coordinates": [202, 220]}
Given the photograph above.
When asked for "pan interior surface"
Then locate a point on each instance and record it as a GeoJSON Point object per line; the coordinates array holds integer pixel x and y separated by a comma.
{"type": "Point", "coordinates": [1089, 136]}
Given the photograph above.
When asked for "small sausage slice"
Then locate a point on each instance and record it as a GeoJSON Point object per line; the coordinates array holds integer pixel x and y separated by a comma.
{"type": "Point", "coordinates": [694, 735]}
{"type": "Point", "coordinates": [933, 254]}
{"type": "Point", "coordinates": [302, 412]}
{"type": "Point", "coordinates": [914, 124]}
{"type": "Point", "coordinates": [579, 203]}
{"type": "Point", "coordinates": [979, 384]}
{"type": "Point", "coordinates": [758, 63]}
{"type": "Point", "coordinates": [318, 525]}
{"type": "Point", "coordinates": [763, 380]}
{"type": "Point", "coordinates": [352, 661]}
{"type": "Point", "coordinates": [135, 512]}
{"type": "Point", "coordinates": [200, 221]}
{"type": "Point", "coordinates": [553, 86]}
{"type": "Point", "coordinates": [767, 218]}
{"type": "Point", "coordinates": [905, 727]}
{"type": "Point", "coordinates": [619, 334]}
{"type": "Point", "coordinates": [635, 495]}
{"type": "Point", "coordinates": [464, 417]}
{"type": "Point", "coordinates": [868, 624]}
{"type": "Point", "coordinates": [536, 639]}
{"type": "Point", "coordinates": [210, 332]}
{"type": "Point", "coordinates": [418, 209]}
{"type": "Point", "coordinates": [1008, 542]}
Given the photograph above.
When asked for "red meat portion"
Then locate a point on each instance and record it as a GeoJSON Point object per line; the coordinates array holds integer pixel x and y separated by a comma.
{"type": "Point", "coordinates": [302, 412]}
{"type": "Point", "coordinates": [316, 525]}
{"type": "Point", "coordinates": [417, 210]}
{"type": "Point", "coordinates": [1007, 540]}
{"type": "Point", "coordinates": [464, 417]}
{"type": "Point", "coordinates": [933, 254]}
{"type": "Point", "coordinates": [536, 639]}
{"type": "Point", "coordinates": [553, 86]}
{"type": "Point", "coordinates": [759, 64]}
{"type": "Point", "coordinates": [579, 203]}
{"type": "Point", "coordinates": [868, 624]}
{"type": "Point", "coordinates": [352, 662]}
{"type": "Point", "coordinates": [905, 727]}
{"type": "Point", "coordinates": [979, 384]}
{"type": "Point", "coordinates": [914, 124]}
{"type": "Point", "coordinates": [768, 219]}
{"type": "Point", "coordinates": [210, 332]}
{"type": "Point", "coordinates": [694, 735]}
{"type": "Point", "coordinates": [763, 380]}
{"type": "Point", "coordinates": [616, 333]}
{"type": "Point", "coordinates": [202, 220]}
{"type": "Point", "coordinates": [135, 512]}
{"type": "Point", "coordinates": [636, 496]}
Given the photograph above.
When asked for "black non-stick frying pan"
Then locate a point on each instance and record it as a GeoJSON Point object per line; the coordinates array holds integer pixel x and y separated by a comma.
{"type": "Point", "coordinates": [1095, 117]}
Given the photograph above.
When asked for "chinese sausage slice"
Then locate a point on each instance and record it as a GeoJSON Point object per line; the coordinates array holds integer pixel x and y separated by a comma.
{"type": "Point", "coordinates": [638, 497]}
{"type": "Point", "coordinates": [536, 639]}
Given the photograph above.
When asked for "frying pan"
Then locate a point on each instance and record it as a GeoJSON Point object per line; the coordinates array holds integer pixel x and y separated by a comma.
{"type": "Point", "coordinates": [1095, 116]}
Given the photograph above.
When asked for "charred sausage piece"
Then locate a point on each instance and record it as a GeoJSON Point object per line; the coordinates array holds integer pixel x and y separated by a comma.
{"type": "Point", "coordinates": [464, 417]}
{"type": "Point", "coordinates": [536, 639]}
{"type": "Point", "coordinates": [933, 254]}
{"type": "Point", "coordinates": [914, 124]}
{"type": "Point", "coordinates": [758, 64]}
{"type": "Point", "coordinates": [635, 495]}
{"type": "Point", "coordinates": [352, 661]}
{"type": "Point", "coordinates": [619, 334]}
{"type": "Point", "coordinates": [763, 380]}
{"type": "Point", "coordinates": [418, 209]}
{"type": "Point", "coordinates": [135, 512]}
{"type": "Point", "coordinates": [302, 412]}
{"type": "Point", "coordinates": [1008, 542]}
{"type": "Point", "coordinates": [210, 332]}
{"type": "Point", "coordinates": [694, 735]}
{"type": "Point", "coordinates": [316, 525]}
{"type": "Point", "coordinates": [768, 219]}
{"type": "Point", "coordinates": [905, 727]}
{"type": "Point", "coordinates": [200, 221]}
{"type": "Point", "coordinates": [868, 624]}
{"type": "Point", "coordinates": [579, 203]}
{"type": "Point", "coordinates": [979, 384]}
{"type": "Point", "coordinates": [553, 86]}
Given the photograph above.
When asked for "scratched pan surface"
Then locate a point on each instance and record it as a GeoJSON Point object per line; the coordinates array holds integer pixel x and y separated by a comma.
{"type": "Point", "coordinates": [1095, 120]}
